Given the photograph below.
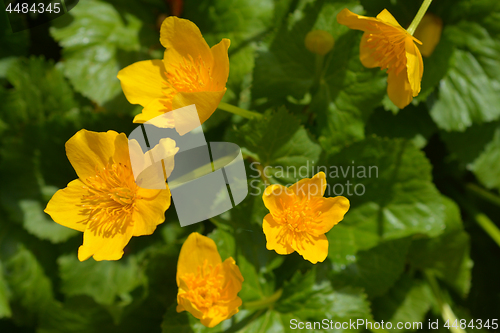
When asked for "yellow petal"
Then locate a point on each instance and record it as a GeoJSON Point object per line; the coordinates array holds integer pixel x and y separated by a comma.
{"type": "Point", "coordinates": [104, 248]}
{"type": "Point", "coordinates": [414, 65]}
{"type": "Point", "coordinates": [365, 53]}
{"type": "Point", "coordinates": [274, 236]}
{"type": "Point", "coordinates": [154, 109]}
{"type": "Point", "coordinates": [231, 307]}
{"type": "Point", "coordinates": [206, 102]}
{"type": "Point", "coordinates": [314, 249]}
{"type": "Point", "coordinates": [357, 22]}
{"type": "Point", "coordinates": [232, 278]}
{"type": "Point", "coordinates": [387, 17]}
{"type": "Point", "coordinates": [310, 187]}
{"type": "Point", "coordinates": [63, 206]}
{"type": "Point", "coordinates": [87, 150]}
{"type": "Point", "coordinates": [277, 197]}
{"type": "Point", "coordinates": [185, 304]}
{"type": "Point", "coordinates": [121, 154]}
{"type": "Point", "coordinates": [399, 88]}
{"type": "Point", "coordinates": [220, 71]}
{"type": "Point", "coordinates": [142, 82]}
{"type": "Point", "coordinates": [332, 212]}
{"type": "Point", "coordinates": [195, 250]}
{"type": "Point", "coordinates": [150, 210]}
{"type": "Point", "coordinates": [182, 38]}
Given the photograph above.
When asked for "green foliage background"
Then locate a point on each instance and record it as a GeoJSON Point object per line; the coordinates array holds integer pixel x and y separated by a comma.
{"type": "Point", "coordinates": [438, 162]}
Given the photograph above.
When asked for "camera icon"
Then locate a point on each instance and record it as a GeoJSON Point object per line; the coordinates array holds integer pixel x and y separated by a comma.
{"type": "Point", "coordinates": [207, 179]}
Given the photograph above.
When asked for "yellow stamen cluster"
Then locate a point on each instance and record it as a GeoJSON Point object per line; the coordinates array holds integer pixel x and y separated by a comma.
{"type": "Point", "coordinates": [188, 76]}
{"type": "Point", "coordinates": [299, 219]}
{"type": "Point", "coordinates": [205, 288]}
{"type": "Point", "coordinates": [111, 200]}
{"type": "Point", "coordinates": [388, 49]}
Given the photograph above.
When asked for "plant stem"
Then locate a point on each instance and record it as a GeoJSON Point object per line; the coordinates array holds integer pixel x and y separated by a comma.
{"type": "Point", "coordinates": [265, 302]}
{"type": "Point", "coordinates": [421, 12]}
{"type": "Point", "coordinates": [488, 226]}
{"type": "Point", "coordinates": [482, 219]}
{"type": "Point", "coordinates": [319, 61]}
{"type": "Point", "coordinates": [446, 311]}
{"type": "Point", "coordinates": [239, 111]}
{"type": "Point", "coordinates": [494, 199]}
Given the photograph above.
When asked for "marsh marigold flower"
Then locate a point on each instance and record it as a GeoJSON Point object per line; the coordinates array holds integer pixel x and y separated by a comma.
{"type": "Point", "coordinates": [105, 203]}
{"type": "Point", "coordinates": [190, 73]}
{"type": "Point", "coordinates": [208, 287]}
{"type": "Point", "coordinates": [300, 216]}
{"type": "Point", "coordinates": [387, 45]}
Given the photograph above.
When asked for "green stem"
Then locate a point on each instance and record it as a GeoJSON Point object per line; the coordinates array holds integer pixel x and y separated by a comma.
{"type": "Point", "coordinates": [446, 311]}
{"type": "Point", "coordinates": [482, 219]}
{"type": "Point", "coordinates": [421, 12]}
{"type": "Point", "coordinates": [265, 302]}
{"type": "Point", "coordinates": [239, 111]}
{"type": "Point", "coordinates": [488, 226]}
{"type": "Point", "coordinates": [319, 60]}
{"type": "Point", "coordinates": [64, 6]}
{"type": "Point", "coordinates": [494, 199]}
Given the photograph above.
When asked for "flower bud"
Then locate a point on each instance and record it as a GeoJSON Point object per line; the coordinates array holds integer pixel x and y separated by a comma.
{"type": "Point", "coordinates": [429, 33]}
{"type": "Point", "coordinates": [319, 42]}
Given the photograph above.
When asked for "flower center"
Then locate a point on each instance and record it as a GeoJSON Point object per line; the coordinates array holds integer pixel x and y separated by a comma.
{"type": "Point", "coordinates": [388, 48]}
{"type": "Point", "coordinates": [299, 220]}
{"type": "Point", "coordinates": [205, 288]}
{"type": "Point", "coordinates": [110, 201]}
{"type": "Point", "coordinates": [190, 75]}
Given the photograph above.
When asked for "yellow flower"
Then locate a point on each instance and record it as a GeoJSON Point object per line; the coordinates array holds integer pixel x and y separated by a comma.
{"type": "Point", "coordinates": [429, 32]}
{"type": "Point", "coordinates": [300, 216]}
{"type": "Point", "coordinates": [208, 287]}
{"type": "Point", "coordinates": [386, 44]}
{"type": "Point", "coordinates": [190, 73]}
{"type": "Point", "coordinates": [105, 203]}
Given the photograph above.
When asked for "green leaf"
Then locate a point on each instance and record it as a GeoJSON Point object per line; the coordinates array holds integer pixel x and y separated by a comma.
{"type": "Point", "coordinates": [5, 294]}
{"type": "Point", "coordinates": [348, 95]}
{"type": "Point", "coordinates": [243, 22]}
{"type": "Point", "coordinates": [93, 42]}
{"type": "Point", "coordinates": [307, 299]}
{"type": "Point", "coordinates": [13, 44]}
{"type": "Point", "coordinates": [287, 68]}
{"type": "Point", "coordinates": [225, 243]}
{"type": "Point", "coordinates": [107, 282]}
{"type": "Point", "coordinates": [256, 264]}
{"type": "Point", "coordinates": [310, 299]}
{"type": "Point", "coordinates": [377, 269]}
{"type": "Point", "coordinates": [448, 254]}
{"type": "Point", "coordinates": [471, 90]}
{"type": "Point", "coordinates": [477, 150]}
{"type": "Point", "coordinates": [39, 93]}
{"type": "Point", "coordinates": [390, 183]}
{"type": "Point", "coordinates": [468, 145]}
{"type": "Point", "coordinates": [485, 167]}
{"type": "Point", "coordinates": [37, 223]}
{"type": "Point", "coordinates": [412, 123]}
{"type": "Point", "coordinates": [278, 142]}
{"type": "Point", "coordinates": [30, 287]}
{"type": "Point", "coordinates": [407, 301]}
